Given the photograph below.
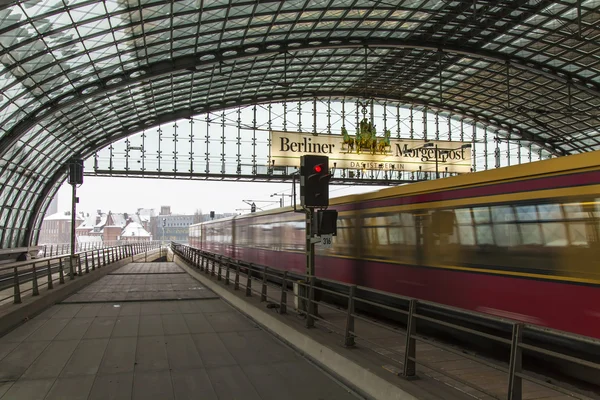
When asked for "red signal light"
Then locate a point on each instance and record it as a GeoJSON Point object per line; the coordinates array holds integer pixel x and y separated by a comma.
{"type": "Point", "coordinates": [318, 168]}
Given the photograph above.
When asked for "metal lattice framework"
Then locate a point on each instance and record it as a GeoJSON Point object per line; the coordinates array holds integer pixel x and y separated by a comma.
{"type": "Point", "coordinates": [234, 144]}
{"type": "Point", "coordinates": [78, 75]}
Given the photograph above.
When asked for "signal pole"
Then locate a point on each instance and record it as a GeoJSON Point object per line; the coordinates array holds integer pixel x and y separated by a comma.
{"type": "Point", "coordinates": [314, 193]}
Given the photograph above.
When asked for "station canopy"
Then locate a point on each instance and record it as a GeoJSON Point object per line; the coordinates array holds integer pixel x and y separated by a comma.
{"type": "Point", "coordinates": [77, 75]}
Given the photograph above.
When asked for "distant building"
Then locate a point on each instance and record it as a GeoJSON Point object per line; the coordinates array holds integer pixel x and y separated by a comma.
{"type": "Point", "coordinates": [115, 227]}
{"type": "Point", "coordinates": [176, 227]}
{"type": "Point", "coordinates": [135, 232]}
{"type": "Point", "coordinates": [172, 228]}
{"type": "Point", "coordinates": [56, 228]}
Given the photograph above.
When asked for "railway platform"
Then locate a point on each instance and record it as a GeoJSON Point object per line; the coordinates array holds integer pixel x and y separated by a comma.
{"type": "Point", "coordinates": [374, 365]}
{"type": "Point", "coordinates": [152, 331]}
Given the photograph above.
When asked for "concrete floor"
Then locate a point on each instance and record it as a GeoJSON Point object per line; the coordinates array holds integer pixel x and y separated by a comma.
{"type": "Point", "coordinates": [105, 343]}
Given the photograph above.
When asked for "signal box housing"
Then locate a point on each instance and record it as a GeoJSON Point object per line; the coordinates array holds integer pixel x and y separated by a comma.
{"type": "Point", "coordinates": [314, 181]}
{"type": "Point", "coordinates": [327, 222]}
{"type": "Point", "coordinates": [75, 172]}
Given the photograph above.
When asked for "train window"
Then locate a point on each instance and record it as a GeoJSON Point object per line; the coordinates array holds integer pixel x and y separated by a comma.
{"type": "Point", "coordinates": [408, 219]}
{"type": "Point", "coordinates": [396, 235]}
{"type": "Point", "coordinates": [463, 216]}
{"type": "Point", "coordinates": [550, 211]}
{"type": "Point", "coordinates": [506, 235]}
{"type": "Point", "coordinates": [503, 214]}
{"type": "Point", "coordinates": [555, 234]}
{"type": "Point", "coordinates": [526, 213]}
{"type": "Point", "coordinates": [466, 235]}
{"type": "Point", "coordinates": [485, 235]}
{"type": "Point", "coordinates": [575, 211]}
{"type": "Point", "coordinates": [531, 234]}
{"type": "Point", "coordinates": [578, 234]}
{"type": "Point", "coordinates": [367, 236]}
{"type": "Point", "coordinates": [481, 215]}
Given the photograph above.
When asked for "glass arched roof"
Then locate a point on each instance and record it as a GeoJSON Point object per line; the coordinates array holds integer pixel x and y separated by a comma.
{"type": "Point", "coordinates": [76, 75]}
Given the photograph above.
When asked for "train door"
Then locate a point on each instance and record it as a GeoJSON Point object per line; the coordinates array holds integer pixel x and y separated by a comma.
{"type": "Point", "coordinates": [435, 233]}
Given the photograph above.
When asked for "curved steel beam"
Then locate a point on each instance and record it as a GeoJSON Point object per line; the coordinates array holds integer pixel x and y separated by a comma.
{"type": "Point", "coordinates": [187, 113]}
{"type": "Point", "coordinates": [37, 208]}
{"type": "Point", "coordinates": [190, 62]}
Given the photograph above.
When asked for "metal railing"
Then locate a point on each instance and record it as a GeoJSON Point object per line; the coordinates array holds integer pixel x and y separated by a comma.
{"type": "Point", "coordinates": [56, 249]}
{"type": "Point", "coordinates": [26, 277]}
{"type": "Point", "coordinates": [414, 312]}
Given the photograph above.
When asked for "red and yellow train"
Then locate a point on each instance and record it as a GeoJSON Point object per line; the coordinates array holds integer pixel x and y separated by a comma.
{"type": "Point", "coordinates": [519, 242]}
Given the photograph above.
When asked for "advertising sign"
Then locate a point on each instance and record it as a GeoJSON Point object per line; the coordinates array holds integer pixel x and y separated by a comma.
{"type": "Point", "coordinates": [378, 153]}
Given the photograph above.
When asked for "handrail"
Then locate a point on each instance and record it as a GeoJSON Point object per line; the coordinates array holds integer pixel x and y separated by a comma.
{"type": "Point", "coordinates": [50, 270]}
{"type": "Point", "coordinates": [213, 265]}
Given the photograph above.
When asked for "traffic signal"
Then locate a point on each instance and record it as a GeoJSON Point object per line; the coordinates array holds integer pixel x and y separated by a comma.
{"type": "Point", "coordinates": [314, 181]}
{"type": "Point", "coordinates": [253, 208]}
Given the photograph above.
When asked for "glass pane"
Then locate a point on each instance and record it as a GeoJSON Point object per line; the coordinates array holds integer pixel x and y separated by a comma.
{"type": "Point", "coordinates": [408, 219]}
{"type": "Point", "coordinates": [466, 234]}
{"type": "Point", "coordinates": [506, 235]}
{"type": "Point", "coordinates": [526, 213]}
{"type": "Point", "coordinates": [503, 214]}
{"type": "Point", "coordinates": [577, 234]}
{"type": "Point", "coordinates": [463, 216]}
{"type": "Point", "coordinates": [382, 236]}
{"type": "Point", "coordinates": [555, 234]}
{"type": "Point", "coordinates": [531, 234]}
{"type": "Point", "coordinates": [484, 235]}
{"type": "Point", "coordinates": [481, 215]}
{"type": "Point", "coordinates": [410, 236]}
{"type": "Point", "coordinates": [549, 211]}
{"type": "Point", "coordinates": [575, 211]}
{"type": "Point", "coordinates": [396, 235]}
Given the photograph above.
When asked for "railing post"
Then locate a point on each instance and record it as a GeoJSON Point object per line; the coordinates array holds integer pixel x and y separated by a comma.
{"type": "Point", "coordinates": [79, 265]}
{"type": "Point", "coordinates": [71, 266]}
{"type": "Point", "coordinates": [35, 291]}
{"type": "Point", "coordinates": [310, 321]}
{"type": "Point", "coordinates": [515, 382]}
{"type": "Point", "coordinates": [236, 283]}
{"type": "Point", "coordinates": [17, 287]}
{"type": "Point", "coordinates": [263, 292]}
{"type": "Point", "coordinates": [45, 246]}
{"type": "Point", "coordinates": [227, 272]}
{"type": "Point", "coordinates": [220, 261]}
{"type": "Point", "coordinates": [51, 249]}
{"type": "Point", "coordinates": [61, 272]}
{"type": "Point", "coordinates": [212, 271]}
{"type": "Point", "coordinates": [202, 257]}
{"type": "Point", "coordinates": [349, 335]}
{"type": "Point", "coordinates": [87, 266]}
{"type": "Point", "coordinates": [101, 261]}
{"type": "Point", "coordinates": [93, 261]}
{"type": "Point", "coordinates": [283, 301]}
{"type": "Point", "coordinates": [410, 366]}
{"type": "Point", "coordinates": [50, 283]}
{"type": "Point", "coordinates": [249, 281]}
{"type": "Point", "coordinates": [103, 256]}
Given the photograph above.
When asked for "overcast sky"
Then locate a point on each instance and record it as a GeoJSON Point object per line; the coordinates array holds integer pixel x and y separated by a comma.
{"type": "Point", "coordinates": [128, 194]}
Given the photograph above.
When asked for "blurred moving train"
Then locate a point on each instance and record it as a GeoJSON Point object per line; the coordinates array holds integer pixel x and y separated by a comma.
{"type": "Point", "coordinates": [520, 242]}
